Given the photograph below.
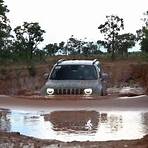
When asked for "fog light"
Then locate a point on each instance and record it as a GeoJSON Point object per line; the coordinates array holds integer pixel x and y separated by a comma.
{"type": "Point", "coordinates": [50, 91]}
{"type": "Point", "coordinates": [88, 91]}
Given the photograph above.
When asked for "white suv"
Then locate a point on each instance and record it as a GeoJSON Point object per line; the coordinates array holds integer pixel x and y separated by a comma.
{"type": "Point", "coordinates": [76, 77]}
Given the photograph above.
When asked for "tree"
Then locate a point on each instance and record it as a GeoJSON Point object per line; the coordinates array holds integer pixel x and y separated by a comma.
{"type": "Point", "coordinates": [124, 42]}
{"type": "Point", "coordinates": [4, 29]}
{"type": "Point", "coordinates": [51, 49]}
{"type": "Point", "coordinates": [145, 18]}
{"type": "Point", "coordinates": [104, 44]}
{"type": "Point", "coordinates": [27, 38]}
{"type": "Point", "coordinates": [144, 42]}
{"type": "Point", "coordinates": [61, 48]}
{"type": "Point", "coordinates": [74, 45]}
{"type": "Point", "coordinates": [111, 29]}
{"type": "Point", "coordinates": [142, 34]}
{"type": "Point", "coordinates": [90, 48]}
{"type": "Point", "coordinates": [61, 45]}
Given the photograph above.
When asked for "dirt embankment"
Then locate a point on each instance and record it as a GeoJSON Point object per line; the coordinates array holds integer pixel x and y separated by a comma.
{"type": "Point", "coordinates": [17, 140]}
{"type": "Point", "coordinates": [22, 80]}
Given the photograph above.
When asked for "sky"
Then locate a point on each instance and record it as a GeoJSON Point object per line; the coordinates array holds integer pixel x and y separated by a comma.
{"type": "Point", "coordinates": [81, 18]}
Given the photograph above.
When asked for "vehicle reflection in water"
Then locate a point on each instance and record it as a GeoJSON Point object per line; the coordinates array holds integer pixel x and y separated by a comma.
{"type": "Point", "coordinates": [76, 125]}
{"type": "Point", "coordinates": [84, 124]}
{"type": "Point", "coordinates": [74, 121]}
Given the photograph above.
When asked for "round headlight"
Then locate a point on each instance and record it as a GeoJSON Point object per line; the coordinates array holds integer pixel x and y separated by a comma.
{"type": "Point", "coordinates": [88, 91]}
{"type": "Point", "coordinates": [50, 91]}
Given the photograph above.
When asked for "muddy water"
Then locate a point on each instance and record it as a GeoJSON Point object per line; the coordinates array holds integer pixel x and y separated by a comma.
{"type": "Point", "coordinates": [76, 125]}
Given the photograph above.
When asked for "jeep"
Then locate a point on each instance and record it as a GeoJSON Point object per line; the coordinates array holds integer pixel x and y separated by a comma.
{"type": "Point", "coordinates": [76, 77]}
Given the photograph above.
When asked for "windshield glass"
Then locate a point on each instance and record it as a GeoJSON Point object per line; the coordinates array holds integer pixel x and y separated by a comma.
{"type": "Point", "coordinates": [74, 72]}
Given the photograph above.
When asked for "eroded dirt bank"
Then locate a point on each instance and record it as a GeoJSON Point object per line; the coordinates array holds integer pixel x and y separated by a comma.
{"type": "Point", "coordinates": [8, 140]}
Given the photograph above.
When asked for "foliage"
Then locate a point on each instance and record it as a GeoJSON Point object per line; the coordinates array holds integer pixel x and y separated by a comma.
{"type": "Point", "coordinates": [27, 38]}
{"type": "Point", "coordinates": [73, 46]}
{"type": "Point", "coordinates": [51, 49]}
{"type": "Point", "coordinates": [124, 42]}
{"type": "Point", "coordinates": [140, 56]}
{"type": "Point", "coordinates": [145, 18]}
{"type": "Point", "coordinates": [142, 34]}
{"type": "Point", "coordinates": [23, 46]}
{"type": "Point", "coordinates": [4, 30]}
{"type": "Point", "coordinates": [144, 42]}
{"type": "Point", "coordinates": [91, 48]}
{"type": "Point", "coordinates": [76, 46]}
{"type": "Point", "coordinates": [111, 29]}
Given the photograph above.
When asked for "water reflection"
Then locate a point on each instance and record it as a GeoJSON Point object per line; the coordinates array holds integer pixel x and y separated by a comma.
{"type": "Point", "coordinates": [83, 121]}
{"type": "Point", "coordinates": [5, 124]}
{"type": "Point", "coordinates": [76, 125]}
{"type": "Point", "coordinates": [74, 121]}
{"type": "Point", "coordinates": [115, 123]}
{"type": "Point", "coordinates": [145, 122]}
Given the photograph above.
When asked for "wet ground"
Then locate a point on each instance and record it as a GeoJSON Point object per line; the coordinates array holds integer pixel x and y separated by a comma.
{"type": "Point", "coordinates": [73, 119]}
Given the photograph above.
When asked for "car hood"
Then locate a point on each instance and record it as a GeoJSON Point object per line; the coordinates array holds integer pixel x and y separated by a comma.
{"type": "Point", "coordinates": [72, 83]}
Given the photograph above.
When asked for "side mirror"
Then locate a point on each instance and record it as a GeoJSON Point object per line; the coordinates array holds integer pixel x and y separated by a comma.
{"type": "Point", "coordinates": [104, 76]}
{"type": "Point", "coordinates": [46, 75]}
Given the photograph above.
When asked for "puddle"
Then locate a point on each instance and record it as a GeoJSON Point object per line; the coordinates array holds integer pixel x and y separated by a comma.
{"type": "Point", "coordinates": [76, 125]}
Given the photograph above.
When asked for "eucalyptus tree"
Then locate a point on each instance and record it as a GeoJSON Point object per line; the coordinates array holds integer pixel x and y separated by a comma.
{"type": "Point", "coordinates": [144, 42]}
{"type": "Point", "coordinates": [111, 28]}
{"type": "Point", "coordinates": [5, 29]}
{"type": "Point", "coordinates": [124, 42]}
{"type": "Point", "coordinates": [61, 47]}
{"type": "Point", "coordinates": [51, 49]}
{"type": "Point", "coordinates": [144, 33]}
{"type": "Point", "coordinates": [74, 45]}
{"type": "Point", "coordinates": [27, 38]}
{"type": "Point", "coordinates": [145, 18]}
{"type": "Point", "coordinates": [90, 48]}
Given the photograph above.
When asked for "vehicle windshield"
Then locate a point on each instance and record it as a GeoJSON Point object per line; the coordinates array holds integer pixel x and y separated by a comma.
{"type": "Point", "coordinates": [74, 72]}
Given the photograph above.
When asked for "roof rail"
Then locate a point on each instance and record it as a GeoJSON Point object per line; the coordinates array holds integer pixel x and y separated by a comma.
{"type": "Point", "coordinates": [59, 61]}
{"type": "Point", "coordinates": [94, 61]}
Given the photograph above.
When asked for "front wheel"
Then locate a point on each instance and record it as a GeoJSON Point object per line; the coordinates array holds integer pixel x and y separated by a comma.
{"type": "Point", "coordinates": [103, 92]}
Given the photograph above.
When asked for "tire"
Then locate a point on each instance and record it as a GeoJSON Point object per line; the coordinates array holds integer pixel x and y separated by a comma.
{"type": "Point", "coordinates": [102, 93]}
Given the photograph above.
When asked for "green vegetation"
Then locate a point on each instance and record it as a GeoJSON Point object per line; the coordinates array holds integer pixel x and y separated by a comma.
{"type": "Point", "coordinates": [4, 32]}
{"type": "Point", "coordinates": [111, 29]}
{"type": "Point", "coordinates": [142, 34]}
{"type": "Point", "coordinates": [27, 37]}
{"type": "Point", "coordinates": [22, 46]}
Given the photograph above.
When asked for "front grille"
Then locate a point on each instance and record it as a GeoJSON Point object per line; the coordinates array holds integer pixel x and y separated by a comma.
{"type": "Point", "coordinates": [70, 91]}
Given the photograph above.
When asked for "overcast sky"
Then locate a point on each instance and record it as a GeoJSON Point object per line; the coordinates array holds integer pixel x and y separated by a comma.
{"type": "Point", "coordinates": [63, 18]}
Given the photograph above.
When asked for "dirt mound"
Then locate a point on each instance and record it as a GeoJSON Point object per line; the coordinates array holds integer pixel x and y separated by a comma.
{"type": "Point", "coordinates": [17, 140]}
{"type": "Point", "coordinates": [130, 92]}
{"type": "Point", "coordinates": [20, 81]}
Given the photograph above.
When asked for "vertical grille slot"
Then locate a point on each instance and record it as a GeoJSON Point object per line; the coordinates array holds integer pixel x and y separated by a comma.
{"type": "Point", "coordinates": [69, 91]}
